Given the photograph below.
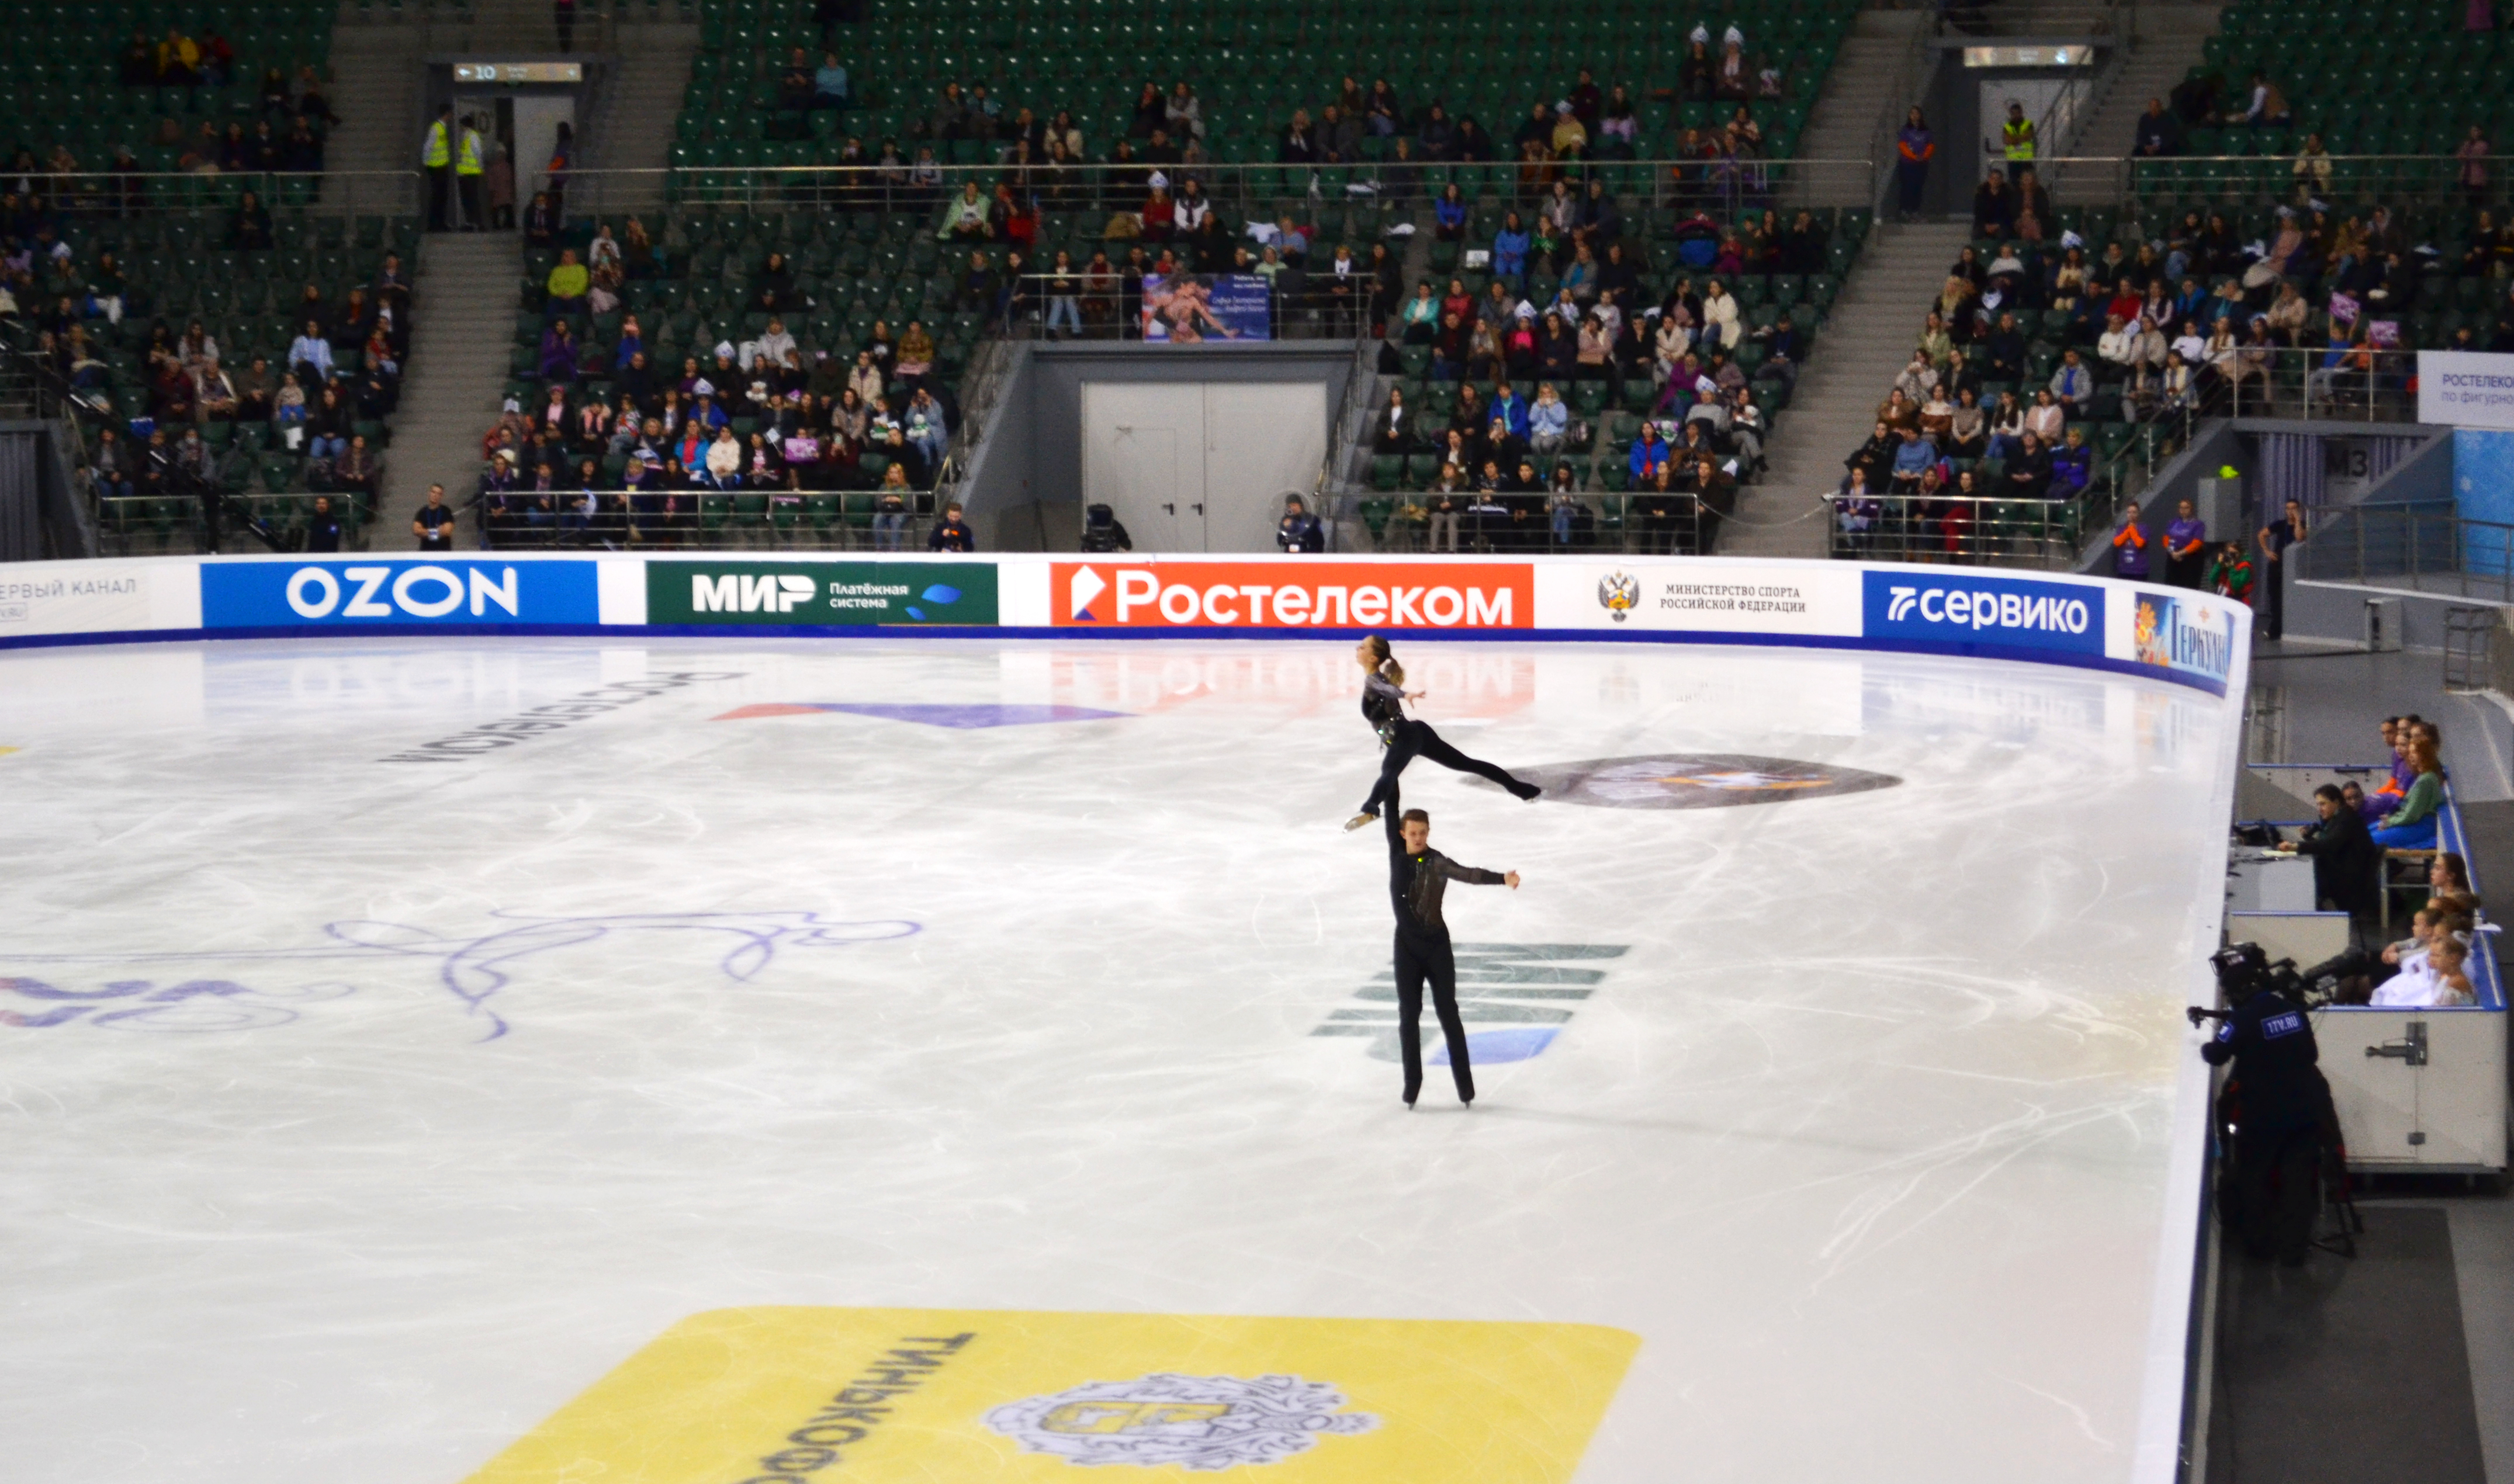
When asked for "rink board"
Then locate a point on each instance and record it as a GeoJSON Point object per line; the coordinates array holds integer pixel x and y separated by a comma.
{"type": "Point", "coordinates": [2187, 637]}
{"type": "Point", "coordinates": [402, 1120]}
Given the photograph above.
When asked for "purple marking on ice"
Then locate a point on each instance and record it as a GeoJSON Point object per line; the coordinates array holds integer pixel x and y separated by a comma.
{"type": "Point", "coordinates": [1490, 1048]}
{"type": "Point", "coordinates": [961, 718]}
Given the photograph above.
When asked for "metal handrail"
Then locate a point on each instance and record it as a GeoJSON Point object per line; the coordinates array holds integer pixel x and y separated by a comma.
{"type": "Point", "coordinates": [1104, 308]}
{"type": "Point", "coordinates": [2426, 548]}
{"type": "Point", "coordinates": [98, 194]}
{"type": "Point", "coordinates": [1969, 529]}
{"type": "Point", "coordinates": [1614, 521]}
{"type": "Point", "coordinates": [2118, 178]}
{"type": "Point", "coordinates": [1725, 186]}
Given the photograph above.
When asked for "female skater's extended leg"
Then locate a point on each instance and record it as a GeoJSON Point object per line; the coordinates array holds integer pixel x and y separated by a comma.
{"type": "Point", "coordinates": [1428, 744]}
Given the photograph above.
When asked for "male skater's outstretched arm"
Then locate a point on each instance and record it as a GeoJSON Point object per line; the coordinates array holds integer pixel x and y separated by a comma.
{"type": "Point", "coordinates": [1417, 878]}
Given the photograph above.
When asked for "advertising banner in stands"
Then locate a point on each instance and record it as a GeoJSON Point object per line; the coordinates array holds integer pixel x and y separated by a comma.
{"type": "Point", "coordinates": [2460, 388]}
{"type": "Point", "coordinates": [397, 592]}
{"type": "Point", "coordinates": [1975, 610]}
{"type": "Point", "coordinates": [1730, 598]}
{"type": "Point", "coordinates": [1307, 593]}
{"type": "Point", "coordinates": [817, 593]}
{"type": "Point", "coordinates": [1189, 309]}
{"type": "Point", "coordinates": [2190, 634]}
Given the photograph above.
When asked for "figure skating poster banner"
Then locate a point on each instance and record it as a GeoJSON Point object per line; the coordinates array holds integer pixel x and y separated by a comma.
{"type": "Point", "coordinates": [1191, 308]}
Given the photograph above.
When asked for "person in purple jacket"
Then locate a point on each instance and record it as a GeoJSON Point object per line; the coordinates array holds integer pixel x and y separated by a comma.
{"type": "Point", "coordinates": [2186, 548]}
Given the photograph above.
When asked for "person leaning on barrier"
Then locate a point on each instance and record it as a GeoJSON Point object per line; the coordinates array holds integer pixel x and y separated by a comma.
{"type": "Point", "coordinates": [1299, 530]}
{"type": "Point", "coordinates": [2277, 1101]}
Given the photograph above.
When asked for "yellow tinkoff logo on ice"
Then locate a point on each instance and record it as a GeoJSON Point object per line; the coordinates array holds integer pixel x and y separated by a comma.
{"type": "Point", "coordinates": [844, 1396]}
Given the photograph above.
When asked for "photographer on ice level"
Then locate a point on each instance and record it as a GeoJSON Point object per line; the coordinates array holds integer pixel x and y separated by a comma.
{"type": "Point", "coordinates": [2276, 1099]}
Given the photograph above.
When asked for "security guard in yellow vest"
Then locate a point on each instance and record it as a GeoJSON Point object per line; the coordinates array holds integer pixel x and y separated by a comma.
{"type": "Point", "coordinates": [468, 166]}
{"type": "Point", "coordinates": [2017, 135]}
{"type": "Point", "coordinates": [436, 156]}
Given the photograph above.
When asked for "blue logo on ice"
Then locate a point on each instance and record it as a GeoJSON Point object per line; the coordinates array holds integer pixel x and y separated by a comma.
{"type": "Point", "coordinates": [2007, 612]}
{"type": "Point", "coordinates": [396, 592]}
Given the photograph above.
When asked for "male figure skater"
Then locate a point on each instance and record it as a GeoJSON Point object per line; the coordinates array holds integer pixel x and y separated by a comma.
{"type": "Point", "coordinates": [1417, 875]}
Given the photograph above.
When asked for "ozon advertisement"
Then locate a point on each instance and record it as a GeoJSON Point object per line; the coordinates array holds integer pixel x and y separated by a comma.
{"type": "Point", "coordinates": [1298, 594]}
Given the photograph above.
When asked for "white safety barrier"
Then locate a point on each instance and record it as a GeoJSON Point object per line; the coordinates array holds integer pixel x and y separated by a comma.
{"type": "Point", "coordinates": [2171, 634]}
{"type": "Point", "coordinates": [2184, 637]}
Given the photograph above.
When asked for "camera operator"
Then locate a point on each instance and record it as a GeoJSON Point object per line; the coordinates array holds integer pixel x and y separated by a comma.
{"type": "Point", "coordinates": [2277, 1101]}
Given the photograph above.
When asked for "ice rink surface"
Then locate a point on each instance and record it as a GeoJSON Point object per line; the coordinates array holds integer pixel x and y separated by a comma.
{"type": "Point", "coordinates": [359, 1113]}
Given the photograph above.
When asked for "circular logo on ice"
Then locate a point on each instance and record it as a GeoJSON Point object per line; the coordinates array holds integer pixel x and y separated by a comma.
{"type": "Point", "coordinates": [1619, 594]}
{"type": "Point", "coordinates": [1697, 780]}
{"type": "Point", "coordinates": [1190, 1421]}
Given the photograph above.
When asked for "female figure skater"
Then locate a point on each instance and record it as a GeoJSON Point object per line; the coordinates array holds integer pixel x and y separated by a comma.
{"type": "Point", "coordinates": [1383, 705]}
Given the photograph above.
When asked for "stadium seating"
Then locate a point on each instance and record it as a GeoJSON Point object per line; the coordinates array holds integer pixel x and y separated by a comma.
{"type": "Point", "coordinates": [2396, 78]}
{"type": "Point", "coordinates": [67, 80]}
{"type": "Point", "coordinates": [176, 271]}
{"type": "Point", "coordinates": [1252, 64]}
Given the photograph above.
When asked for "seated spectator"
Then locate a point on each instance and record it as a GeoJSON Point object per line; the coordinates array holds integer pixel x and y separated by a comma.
{"type": "Point", "coordinates": [970, 218]}
{"type": "Point", "coordinates": [1650, 455]}
{"type": "Point", "coordinates": [1857, 510]}
{"type": "Point", "coordinates": [214, 395]}
{"type": "Point", "coordinates": [923, 426]}
{"type": "Point", "coordinates": [2072, 386]}
{"type": "Point", "coordinates": [1912, 457]}
{"type": "Point", "coordinates": [1938, 419]}
{"type": "Point", "coordinates": [309, 355]}
{"type": "Point", "coordinates": [567, 285]}
{"type": "Point", "coordinates": [2072, 465]}
{"type": "Point", "coordinates": [2028, 472]}
{"type": "Point", "coordinates": [1918, 381]}
{"type": "Point", "coordinates": [541, 223]}
{"type": "Point", "coordinates": [2046, 418]}
{"type": "Point", "coordinates": [250, 230]}
{"type": "Point", "coordinates": [2431, 977]}
{"type": "Point", "coordinates": [830, 83]}
{"type": "Point", "coordinates": [2411, 825]}
{"type": "Point", "coordinates": [2006, 347]}
{"type": "Point", "coordinates": [558, 353]}
{"type": "Point", "coordinates": [2267, 108]}
{"type": "Point", "coordinates": [357, 470]}
{"type": "Point", "coordinates": [1993, 206]}
{"type": "Point", "coordinates": [1874, 459]}
{"type": "Point", "coordinates": [2312, 169]}
{"type": "Point", "coordinates": [2449, 883]}
{"type": "Point", "coordinates": [2118, 343]}
{"type": "Point", "coordinates": [1509, 253]}
{"type": "Point", "coordinates": [1549, 421]}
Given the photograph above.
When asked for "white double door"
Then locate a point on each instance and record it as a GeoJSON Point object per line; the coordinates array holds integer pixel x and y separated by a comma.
{"type": "Point", "coordinates": [1201, 465]}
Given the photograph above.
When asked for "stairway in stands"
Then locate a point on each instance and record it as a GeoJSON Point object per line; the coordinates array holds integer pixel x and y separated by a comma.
{"type": "Point", "coordinates": [375, 91]}
{"type": "Point", "coordinates": [462, 329]}
{"type": "Point", "coordinates": [1867, 338]}
{"type": "Point", "coordinates": [1842, 125]}
{"type": "Point", "coordinates": [2167, 43]}
{"type": "Point", "coordinates": [650, 71]}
